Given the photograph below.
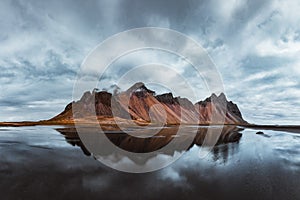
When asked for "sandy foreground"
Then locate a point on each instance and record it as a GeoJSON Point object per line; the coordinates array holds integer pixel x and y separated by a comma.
{"type": "Point", "coordinates": [110, 123]}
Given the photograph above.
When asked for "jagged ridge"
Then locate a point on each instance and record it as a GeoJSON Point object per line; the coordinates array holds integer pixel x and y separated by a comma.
{"type": "Point", "coordinates": [137, 101]}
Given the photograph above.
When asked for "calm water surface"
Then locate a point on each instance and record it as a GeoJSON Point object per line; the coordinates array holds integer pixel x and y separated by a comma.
{"type": "Point", "coordinates": [43, 163]}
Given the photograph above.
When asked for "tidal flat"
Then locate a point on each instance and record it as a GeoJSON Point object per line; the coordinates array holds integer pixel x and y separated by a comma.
{"type": "Point", "coordinates": [52, 162]}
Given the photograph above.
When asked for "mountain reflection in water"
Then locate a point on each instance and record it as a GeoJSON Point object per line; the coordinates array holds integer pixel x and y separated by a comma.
{"type": "Point", "coordinates": [229, 134]}
{"type": "Point", "coordinates": [38, 162]}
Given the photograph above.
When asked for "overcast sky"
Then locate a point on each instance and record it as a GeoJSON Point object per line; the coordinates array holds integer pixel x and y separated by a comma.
{"type": "Point", "coordinates": [254, 44]}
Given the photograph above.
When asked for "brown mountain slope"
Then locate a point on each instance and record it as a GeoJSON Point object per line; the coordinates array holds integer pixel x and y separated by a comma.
{"type": "Point", "coordinates": [139, 103]}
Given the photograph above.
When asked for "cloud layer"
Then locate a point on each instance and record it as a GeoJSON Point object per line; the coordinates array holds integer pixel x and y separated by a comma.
{"type": "Point", "coordinates": [254, 44]}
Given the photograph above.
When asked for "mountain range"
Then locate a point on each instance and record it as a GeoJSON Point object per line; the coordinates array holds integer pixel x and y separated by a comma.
{"type": "Point", "coordinates": [141, 105]}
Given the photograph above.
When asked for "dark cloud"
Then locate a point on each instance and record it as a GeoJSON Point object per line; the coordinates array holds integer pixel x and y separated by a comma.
{"type": "Point", "coordinates": [253, 43]}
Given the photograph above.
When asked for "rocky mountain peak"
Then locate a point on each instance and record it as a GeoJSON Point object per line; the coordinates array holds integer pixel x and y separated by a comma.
{"type": "Point", "coordinates": [86, 97]}
{"type": "Point", "coordinates": [215, 99]}
{"type": "Point", "coordinates": [222, 97]}
{"type": "Point", "coordinates": [139, 87]}
{"type": "Point", "coordinates": [178, 110]}
{"type": "Point", "coordinates": [166, 98]}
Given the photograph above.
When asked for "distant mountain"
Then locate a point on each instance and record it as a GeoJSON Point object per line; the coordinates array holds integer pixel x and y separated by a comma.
{"type": "Point", "coordinates": [141, 104]}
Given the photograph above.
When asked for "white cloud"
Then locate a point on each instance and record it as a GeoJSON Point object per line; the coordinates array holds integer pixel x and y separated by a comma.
{"type": "Point", "coordinates": [255, 45]}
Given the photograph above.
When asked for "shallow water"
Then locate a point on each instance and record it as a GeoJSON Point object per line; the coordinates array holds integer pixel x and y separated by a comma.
{"type": "Point", "coordinates": [42, 163]}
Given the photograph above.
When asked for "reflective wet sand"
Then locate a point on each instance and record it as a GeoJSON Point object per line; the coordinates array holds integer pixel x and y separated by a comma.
{"type": "Point", "coordinates": [52, 162]}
